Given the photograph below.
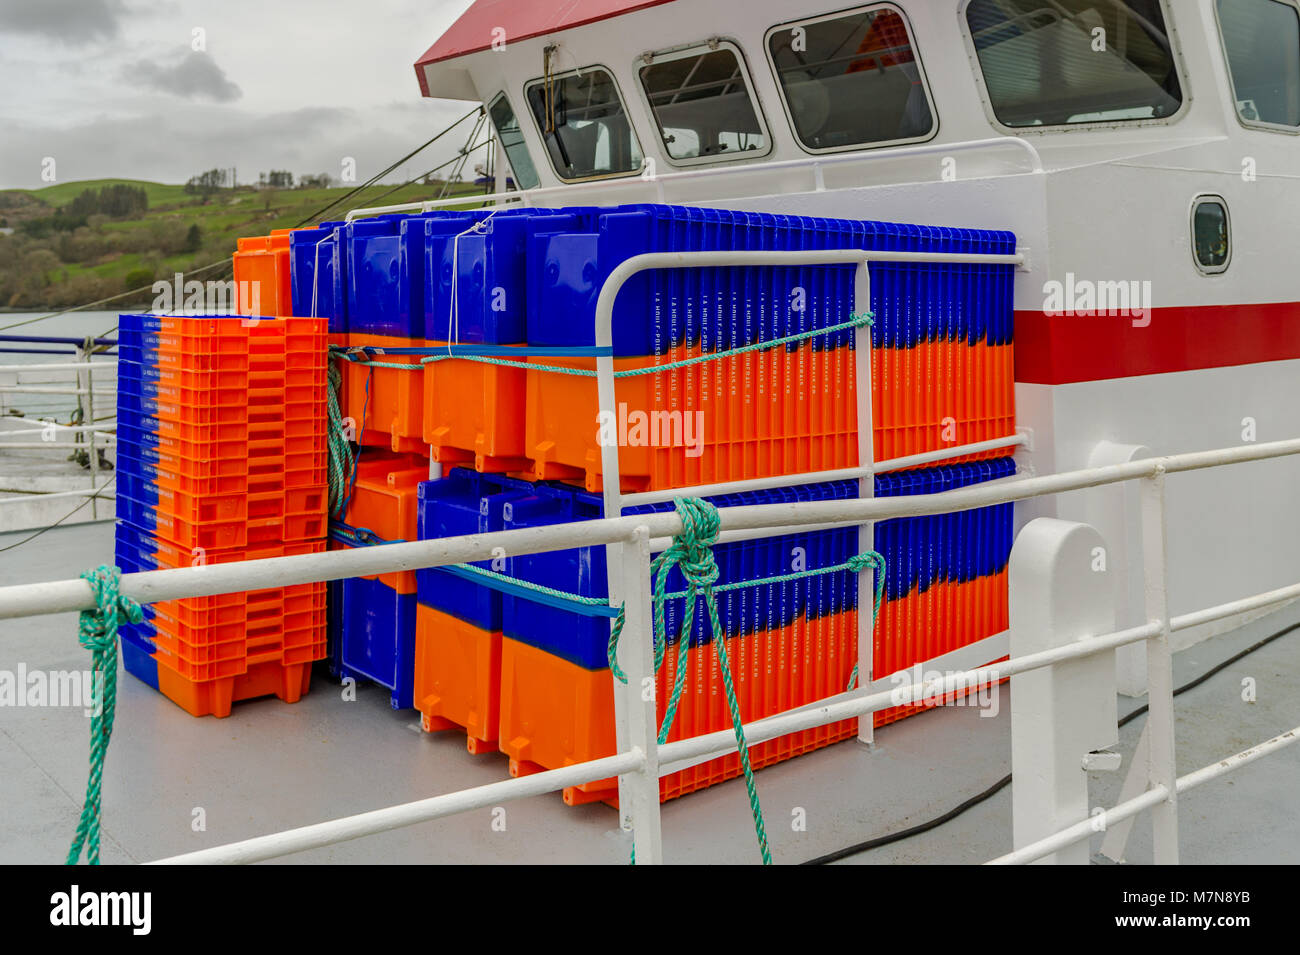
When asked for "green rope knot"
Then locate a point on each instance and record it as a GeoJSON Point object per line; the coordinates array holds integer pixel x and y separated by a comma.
{"type": "Point", "coordinates": [692, 552]}
{"type": "Point", "coordinates": [97, 632]}
{"type": "Point", "coordinates": [858, 563]}
{"type": "Point", "coordinates": [692, 549]}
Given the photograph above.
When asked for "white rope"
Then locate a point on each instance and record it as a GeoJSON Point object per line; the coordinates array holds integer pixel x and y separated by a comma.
{"type": "Point", "coordinates": [453, 317]}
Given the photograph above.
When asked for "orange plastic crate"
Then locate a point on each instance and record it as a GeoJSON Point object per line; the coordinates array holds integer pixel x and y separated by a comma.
{"type": "Point", "coordinates": [384, 494]}
{"type": "Point", "coordinates": [215, 697]}
{"type": "Point", "coordinates": [474, 415]}
{"type": "Point", "coordinates": [262, 274]}
{"type": "Point", "coordinates": [555, 713]}
{"type": "Point", "coordinates": [387, 404]}
{"type": "Point", "coordinates": [753, 415]}
{"type": "Point", "coordinates": [458, 678]}
{"type": "Point", "coordinates": [940, 394]}
{"type": "Point", "coordinates": [746, 416]}
{"type": "Point", "coordinates": [924, 625]}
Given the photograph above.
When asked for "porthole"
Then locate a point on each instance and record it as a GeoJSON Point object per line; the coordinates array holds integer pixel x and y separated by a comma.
{"type": "Point", "coordinates": [1211, 234]}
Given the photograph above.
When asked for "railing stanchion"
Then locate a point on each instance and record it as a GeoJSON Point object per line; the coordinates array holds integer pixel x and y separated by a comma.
{"type": "Point", "coordinates": [1161, 769]}
{"type": "Point", "coordinates": [866, 489]}
{"type": "Point", "coordinates": [638, 791]}
{"type": "Point", "coordinates": [86, 380]}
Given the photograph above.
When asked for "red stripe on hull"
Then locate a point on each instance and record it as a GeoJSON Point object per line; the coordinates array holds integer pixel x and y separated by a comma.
{"type": "Point", "coordinates": [1059, 349]}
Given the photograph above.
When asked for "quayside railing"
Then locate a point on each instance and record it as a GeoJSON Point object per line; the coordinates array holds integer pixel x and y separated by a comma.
{"type": "Point", "coordinates": [640, 760]}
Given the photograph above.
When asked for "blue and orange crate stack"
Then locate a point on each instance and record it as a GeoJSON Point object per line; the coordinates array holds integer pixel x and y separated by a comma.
{"type": "Point", "coordinates": [222, 457]}
{"type": "Point", "coordinates": [413, 301]}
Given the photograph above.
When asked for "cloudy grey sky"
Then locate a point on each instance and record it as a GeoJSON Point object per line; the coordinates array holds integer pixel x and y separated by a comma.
{"type": "Point", "coordinates": [114, 88]}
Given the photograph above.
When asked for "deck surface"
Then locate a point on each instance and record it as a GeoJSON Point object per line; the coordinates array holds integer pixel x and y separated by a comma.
{"type": "Point", "coordinates": [272, 766]}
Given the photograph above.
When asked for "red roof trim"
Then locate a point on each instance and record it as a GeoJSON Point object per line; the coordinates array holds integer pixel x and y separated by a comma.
{"type": "Point", "coordinates": [521, 20]}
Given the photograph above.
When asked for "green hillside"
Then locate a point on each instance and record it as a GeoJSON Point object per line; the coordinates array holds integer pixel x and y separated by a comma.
{"type": "Point", "coordinates": [64, 192]}
{"type": "Point", "coordinates": [58, 257]}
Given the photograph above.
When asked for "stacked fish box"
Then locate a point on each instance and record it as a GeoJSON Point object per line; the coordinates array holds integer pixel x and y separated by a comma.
{"type": "Point", "coordinates": [460, 320]}
{"type": "Point", "coordinates": [221, 457]}
{"type": "Point", "coordinates": [376, 636]}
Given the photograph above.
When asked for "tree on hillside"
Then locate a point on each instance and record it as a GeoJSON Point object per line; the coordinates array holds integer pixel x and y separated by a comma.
{"type": "Point", "coordinates": [275, 179]}
{"type": "Point", "coordinates": [119, 201]}
{"type": "Point", "coordinates": [206, 183]}
{"type": "Point", "coordinates": [193, 239]}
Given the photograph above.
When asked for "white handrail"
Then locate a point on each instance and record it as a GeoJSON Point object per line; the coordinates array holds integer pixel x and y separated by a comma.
{"type": "Point", "coordinates": [26, 497]}
{"type": "Point", "coordinates": [108, 364]}
{"type": "Point", "coordinates": [731, 171]}
{"type": "Point", "coordinates": [27, 600]}
{"type": "Point", "coordinates": [24, 600]}
{"type": "Point", "coordinates": [1147, 800]}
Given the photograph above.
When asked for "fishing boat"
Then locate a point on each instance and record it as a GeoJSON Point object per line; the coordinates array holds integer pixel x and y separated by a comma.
{"type": "Point", "coordinates": [1049, 323]}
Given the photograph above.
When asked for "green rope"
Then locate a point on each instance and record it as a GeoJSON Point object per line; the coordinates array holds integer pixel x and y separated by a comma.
{"type": "Point", "coordinates": [355, 354]}
{"type": "Point", "coordinates": [97, 632]}
{"type": "Point", "coordinates": [692, 552]}
{"type": "Point", "coordinates": [342, 459]}
{"type": "Point", "coordinates": [858, 563]}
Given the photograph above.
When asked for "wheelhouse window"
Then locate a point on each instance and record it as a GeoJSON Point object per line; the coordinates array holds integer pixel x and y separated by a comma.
{"type": "Point", "coordinates": [852, 80]}
{"type": "Point", "coordinates": [1074, 61]}
{"type": "Point", "coordinates": [1261, 40]}
{"type": "Point", "coordinates": [512, 141]}
{"type": "Point", "coordinates": [1211, 234]}
{"type": "Point", "coordinates": [702, 104]}
{"type": "Point", "coordinates": [584, 125]}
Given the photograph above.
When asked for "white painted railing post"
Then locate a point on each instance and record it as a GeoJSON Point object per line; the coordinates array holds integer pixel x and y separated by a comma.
{"type": "Point", "coordinates": [866, 489]}
{"type": "Point", "coordinates": [86, 382]}
{"type": "Point", "coordinates": [1060, 592]}
{"type": "Point", "coordinates": [1161, 769]}
{"type": "Point", "coordinates": [638, 725]}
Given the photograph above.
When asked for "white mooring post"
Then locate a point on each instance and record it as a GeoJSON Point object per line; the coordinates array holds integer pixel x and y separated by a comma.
{"type": "Point", "coordinates": [1060, 592]}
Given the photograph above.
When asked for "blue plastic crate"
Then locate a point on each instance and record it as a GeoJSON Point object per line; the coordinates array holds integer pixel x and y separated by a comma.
{"type": "Point", "coordinates": [385, 276]}
{"type": "Point", "coordinates": [317, 274]}
{"type": "Point", "coordinates": [583, 640]}
{"type": "Point", "coordinates": [137, 655]}
{"type": "Point", "coordinates": [376, 638]}
{"type": "Point", "coordinates": [728, 307]}
{"type": "Point", "coordinates": [486, 256]}
{"type": "Point", "coordinates": [919, 551]}
{"type": "Point", "coordinates": [464, 502]}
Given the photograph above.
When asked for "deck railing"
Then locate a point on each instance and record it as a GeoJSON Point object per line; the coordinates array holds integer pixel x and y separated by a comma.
{"type": "Point", "coordinates": [1038, 575]}
{"type": "Point", "coordinates": [640, 764]}
{"type": "Point", "coordinates": [92, 386]}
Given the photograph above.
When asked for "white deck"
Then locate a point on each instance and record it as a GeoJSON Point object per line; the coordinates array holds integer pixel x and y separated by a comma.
{"type": "Point", "coordinates": [272, 766]}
